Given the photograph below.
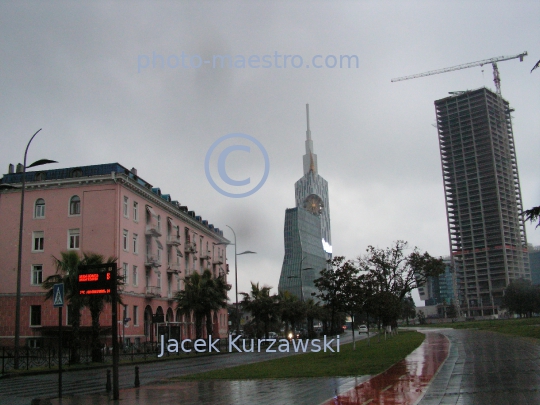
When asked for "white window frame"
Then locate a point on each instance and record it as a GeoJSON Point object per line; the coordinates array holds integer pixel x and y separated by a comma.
{"type": "Point", "coordinates": [38, 235]}
{"type": "Point", "coordinates": [135, 211]}
{"type": "Point", "coordinates": [76, 214]}
{"type": "Point", "coordinates": [41, 213]}
{"type": "Point", "coordinates": [125, 240]}
{"type": "Point", "coordinates": [125, 273]}
{"type": "Point", "coordinates": [135, 243]}
{"type": "Point", "coordinates": [135, 276]}
{"type": "Point", "coordinates": [126, 207]}
{"type": "Point", "coordinates": [74, 239]}
{"type": "Point", "coordinates": [36, 269]}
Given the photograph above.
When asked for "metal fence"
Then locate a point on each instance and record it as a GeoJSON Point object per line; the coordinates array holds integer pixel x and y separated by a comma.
{"type": "Point", "coordinates": [47, 357]}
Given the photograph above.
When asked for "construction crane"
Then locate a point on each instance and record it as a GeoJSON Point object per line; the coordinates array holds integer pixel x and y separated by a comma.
{"type": "Point", "coordinates": [493, 61]}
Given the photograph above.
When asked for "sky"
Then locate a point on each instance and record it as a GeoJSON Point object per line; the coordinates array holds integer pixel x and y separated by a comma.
{"type": "Point", "coordinates": [128, 82]}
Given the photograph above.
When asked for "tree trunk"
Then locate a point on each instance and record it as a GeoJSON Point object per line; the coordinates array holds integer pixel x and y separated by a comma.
{"type": "Point", "coordinates": [198, 325]}
{"type": "Point", "coordinates": [209, 323]}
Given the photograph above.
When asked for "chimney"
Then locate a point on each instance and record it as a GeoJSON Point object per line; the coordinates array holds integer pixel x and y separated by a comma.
{"type": "Point", "coordinates": [134, 171]}
{"type": "Point", "coordinates": [19, 168]}
{"type": "Point", "coordinates": [11, 169]}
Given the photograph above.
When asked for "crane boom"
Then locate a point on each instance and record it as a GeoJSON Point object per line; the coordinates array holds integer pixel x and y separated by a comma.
{"type": "Point", "coordinates": [464, 66]}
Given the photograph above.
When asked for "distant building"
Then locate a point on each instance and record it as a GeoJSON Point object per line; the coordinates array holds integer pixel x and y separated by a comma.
{"type": "Point", "coordinates": [534, 260]}
{"type": "Point", "coordinates": [440, 289]}
{"type": "Point", "coordinates": [305, 256]}
{"type": "Point", "coordinates": [303, 250]}
{"type": "Point", "coordinates": [109, 210]}
{"type": "Point", "coordinates": [483, 199]}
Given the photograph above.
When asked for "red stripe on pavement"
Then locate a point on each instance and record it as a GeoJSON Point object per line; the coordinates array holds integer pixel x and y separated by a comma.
{"type": "Point", "coordinates": [405, 381]}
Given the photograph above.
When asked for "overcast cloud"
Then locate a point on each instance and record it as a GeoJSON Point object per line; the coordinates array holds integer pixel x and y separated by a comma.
{"type": "Point", "coordinates": [72, 69]}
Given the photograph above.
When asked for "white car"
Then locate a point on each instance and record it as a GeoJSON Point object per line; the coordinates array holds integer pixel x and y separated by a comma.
{"type": "Point", "coordinates": [362, 329]}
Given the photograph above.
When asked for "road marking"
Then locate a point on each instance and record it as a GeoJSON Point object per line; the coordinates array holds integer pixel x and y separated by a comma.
{"type": "Point", "coordinates": [387, 388]}
{"type": "Point", "coordinates": [367, 402]}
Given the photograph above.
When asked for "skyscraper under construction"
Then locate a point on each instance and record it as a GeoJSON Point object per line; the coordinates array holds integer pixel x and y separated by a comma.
{"type": "Point", "coordinates": [483, 198]}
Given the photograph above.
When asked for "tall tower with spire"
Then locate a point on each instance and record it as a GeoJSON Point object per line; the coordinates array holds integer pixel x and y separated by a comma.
{"type": "Point", "coordinates": [308, 244]}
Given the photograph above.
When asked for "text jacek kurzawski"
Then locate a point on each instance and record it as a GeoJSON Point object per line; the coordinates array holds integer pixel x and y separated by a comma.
{"type": "Point", "coordinates": [250, 345]}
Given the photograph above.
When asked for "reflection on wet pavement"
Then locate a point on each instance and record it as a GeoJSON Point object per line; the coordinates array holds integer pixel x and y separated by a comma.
{"type": "Point", "coordinates": [404, 382]}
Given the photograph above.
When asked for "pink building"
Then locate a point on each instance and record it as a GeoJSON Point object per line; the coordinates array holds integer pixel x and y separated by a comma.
{"type": "Point", "coordinates": [105, 209]}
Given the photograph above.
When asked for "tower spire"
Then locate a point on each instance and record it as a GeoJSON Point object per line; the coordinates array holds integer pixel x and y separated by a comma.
{"type": "Point", "coordinates": [310, 158]}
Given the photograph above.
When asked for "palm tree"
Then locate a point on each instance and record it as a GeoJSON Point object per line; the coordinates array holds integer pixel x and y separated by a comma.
{"type": "Point", "coordinates": [291, 309]}
{"type": "Point", "coordinates": [217, 297]}
{"type": "Point", "coordinates": [202, 294]}
{"type": "Point", "coordinates": [262, 305]}
{"type": "Point", "coordinates": [96, 303]}
{"type": "Point", "coordinates": [66, 273]}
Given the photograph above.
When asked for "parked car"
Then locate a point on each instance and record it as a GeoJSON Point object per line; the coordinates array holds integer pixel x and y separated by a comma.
{"type": "Point", "coordinates": [272, 335]}
{"type": "Point", "coordinates": [362, 329]}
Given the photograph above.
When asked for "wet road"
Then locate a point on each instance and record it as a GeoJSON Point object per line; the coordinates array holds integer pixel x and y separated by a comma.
{"type": "Point", "coordinates": [461, 367]}
{"type": "Point", "coordinates": [21, 390]}
{"type": "Point", "coordinates": [487, 368]}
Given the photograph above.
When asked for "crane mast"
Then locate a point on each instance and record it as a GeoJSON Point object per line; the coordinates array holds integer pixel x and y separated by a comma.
{"type": "Point", "coordinates": [493, 61]}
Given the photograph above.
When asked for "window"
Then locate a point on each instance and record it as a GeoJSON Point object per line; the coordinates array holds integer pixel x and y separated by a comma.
{"type": "Point", "coordinates": [159, 255]}
{"type": "Point", "coordinates": [135, 276]}
{"type": "Point", "coordinates": [135, 243]}
{"type": "Point", "coordinates": [39, 209]}
{"type": "Point", "coordinates": [37, 274]}
{"type": "Point", "coordinates": [73, 239]}
{"type": "Point", "coordinates": [126, 314]}
{"type": "Point", "coordinates": [159, 280]}
{"type": "Point", "coordinates": [76, 173]}
{"type": "Point", "coordinates": [135, 315]}
{"type": "Point", "coordinates": [38, 238]}
{"type": "Point", "coordinates": [135, 211]}
{"type": "Point", "coordinates": [159, 223]}
{"type": "Point", "coordinates": [126, 207]}
{"type": "Point", "coordinates": [178, 284]}
{"type": "Point", "coordinates": [35, 315]}
{"type": "Point", "coordinates": [75, 205]}
{"type": "Point", "coordinates": [125, 240]}
{"type": "Point", "coordinates": [125, 273]}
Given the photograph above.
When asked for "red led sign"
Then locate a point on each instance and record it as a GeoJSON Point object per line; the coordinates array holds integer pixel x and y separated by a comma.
{"type": "Point", "coordinates": [92, 281]}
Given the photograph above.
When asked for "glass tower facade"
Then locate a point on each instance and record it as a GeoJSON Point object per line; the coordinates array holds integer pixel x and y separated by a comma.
{"type": "Point", "coordinates": [308, 242]}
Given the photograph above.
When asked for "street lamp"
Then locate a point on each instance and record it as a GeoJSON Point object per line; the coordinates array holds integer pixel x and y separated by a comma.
{"type": "Point", "coordinates": [236, 274]}
{"type": "Point", "coordinates": [19, 257]}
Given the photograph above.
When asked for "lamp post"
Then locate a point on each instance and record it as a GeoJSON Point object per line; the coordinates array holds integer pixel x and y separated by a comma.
{"type": "Point", "coordinates": [236, 274]}
{"type": "Point", "coordinates": [19, 257]}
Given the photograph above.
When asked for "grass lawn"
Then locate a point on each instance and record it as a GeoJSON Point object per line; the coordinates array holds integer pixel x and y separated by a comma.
{"type": "Point", "coordinates": [365, 359]}
{"type": "Point", "coordinates": [528, 327]}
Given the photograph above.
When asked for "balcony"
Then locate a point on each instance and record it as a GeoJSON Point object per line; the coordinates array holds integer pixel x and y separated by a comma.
{"type": "Point", "coordinates": [218, 260]}
{"type": "Point", "coordinates": [206, 256]}
{"type": "Point", "coordinates": [152, 261]}
{"type": "Point", "coordinates": [171, 295]}
{"type": "Point", "coordinates": [173, 240]}
{"type": "Point", "coordinates": [152, 230]}
{"type": "Point", "coordinates": [152, 292]}
{"type": "Point", "coordinates": [190, 247]}
{"type": "Point", "coordinates": [173, 268]}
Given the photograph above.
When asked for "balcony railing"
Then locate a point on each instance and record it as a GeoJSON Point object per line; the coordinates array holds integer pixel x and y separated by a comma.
{"type": "Point", "coordinates": [173, 240]}
{"type": "Point", "coordinates": [173, 268]}
{"type": "Point", "coordinates": [152, 230]}
{"type": "Point", "coordinates": [152, 261]}
{"type": "Point", "coordinates": [153, 292]}
{"type": "Point", "coordinates": [207, 255]}
{"type": "Point", "coordinates": [218, 260]}
{"type": "Point", "coordinates": [190, 247]}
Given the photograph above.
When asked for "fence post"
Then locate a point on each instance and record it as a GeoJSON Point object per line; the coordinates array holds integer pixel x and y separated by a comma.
{"type": "Point", "coordinates": [49, 353]}
{"type": "Point", "coordinates": [137, 381]}
{"type": "Point", "coordinates": [3, 355]}
{"type": "Point", "coordinates": [132, 348]}
{"type": "Point", "coordinates": [27, 357]}
{"type": "Point", "coordinates": [108, 384]}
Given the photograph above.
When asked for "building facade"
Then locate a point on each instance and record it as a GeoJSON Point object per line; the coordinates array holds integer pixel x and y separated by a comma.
{"type": "Point", "coordinates": [534, 260]}
{"type": "Point", "coordinates": [304, 253]}
{"type": "Point", "coordinates": [109, 210]}
{"type": "Point", "coordinates": [486, 230]}
{"type": "Point", "coordinates": [307, 235]}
